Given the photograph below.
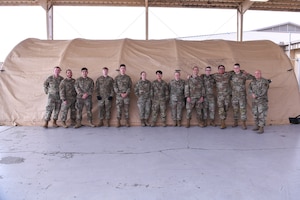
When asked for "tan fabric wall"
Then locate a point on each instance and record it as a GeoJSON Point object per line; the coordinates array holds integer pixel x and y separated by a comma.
{"type": "Point", "coordinates": [23, 101]}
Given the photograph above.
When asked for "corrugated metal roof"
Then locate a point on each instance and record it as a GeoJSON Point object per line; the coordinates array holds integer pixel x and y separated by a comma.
{"type": "Point", "coordinates": [271, 5]}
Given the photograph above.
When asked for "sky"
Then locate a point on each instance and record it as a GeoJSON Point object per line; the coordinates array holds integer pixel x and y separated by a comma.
{"type": "Point", "coordinates": [18, 23]}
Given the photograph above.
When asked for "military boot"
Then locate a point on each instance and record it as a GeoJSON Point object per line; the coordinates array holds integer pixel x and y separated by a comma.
{"type": "Point", "coordinates": [64, 124]}
{"type": "Point", "coordinates": [73, 122]}
{"type": "Point", "coordinates": [78, 124]}
{"type": "Point", "coordinates": [212, 123]}
{"type": "Point", "coordinates": [174, 123]}
{"type": "Point", "coordinates": [201, 124]}
{"type": "Point", "coordinates": [127, 123]}
{"type": "Point", "coordinates": [118, 123]}
{"type": "Point", "coordinates": [235, 123]}
{"type": "Point", "coordinates": [91, 124]}
{"type": "Point", "coordinates": [178, 123]}
{"type": "Point", "coordinates": [54, 123]}
{"type": "Point", "coordinates": [188, 123]}
{"type": "Point", "coordinates": [100, 123]}
{"type": "Point", "coordinates": [205, 123]}
{"type": "Point", "coordinates": [256, 128]}
{"type": "Point", "coordinates": [46, 124]}
{"type": "Point", "coordinates": [108, 122]}
{"type": "Point", "coordinates": [260, 130]}
{"type": "Point", "coordinates": [244, 126]}
{"type": "Point", "coordinates": [143, 123]}
{"type": "Point", "coordinates": [152, 124]}
{"type": "Point", "coordinates": [223, 125]}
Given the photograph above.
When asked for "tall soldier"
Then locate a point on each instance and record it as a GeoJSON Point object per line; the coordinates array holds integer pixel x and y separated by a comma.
{"type": "Point", "coordinates": [84, 87]}
{"type": "Point", "coordinates": [194, 93]}
{"type": "Point", "coordinates": [176, 87]}
{"type": "Point", "coordinates": [222, 79]}
{"type": "Point", "coordinates": [105, 93]}
{"type": "Point", "coordinates": [142, 90]}
{"type": "Point", "coordinates": [159, 97]}
{"type": "Point", "coordinates": [258, 89]}
{"type": "Point", "coordinates": [51, 88]}
{"type": "Point", "coordinates": [122, 88]}
{"type": "Point", "coordinates": [68, 96]}
{"type": "Point", "coordinates": [239, 97]}
{"type": "Point", "coordinates": [209, 100]}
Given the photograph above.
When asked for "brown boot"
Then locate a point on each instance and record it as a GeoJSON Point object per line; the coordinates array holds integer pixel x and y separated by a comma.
{"type": "Point", "coordinates": [174, 123]}
{"type": "Point", "coordinates": [260, 130]}
{"type": "Point", "coordinates": [244, 126]}
{"type": "Point", "coordinates": [212, 123]}
{"type": "Point", "coordinates": [73, 122]}
{"type": "Point", "coordinates": [91, 124]}
{"type": "Point", "coordinates": [54, 123]}
{"type": "Point", "coordinates": [223, 125]}
{"type": "Point", "coordinates": [143, 123]}
{"type": "Point", "coordinates": [256, 128]}
{"type": "Point", "coordinates": [46, 124]}
{"type": "Point", "coordinates": [127, 123]}
{"type": "Point", "coordinates": [78, 124]}
{"type": "Point", "coordinates": [100, 123]}
{"type": "Point", "coordinates": [118, 123]}
{"type": "Point", "coordinates": [205, 123]}
{"type": "Point", "coordinates": [178, 123]}
{"type": "Point", "coordinates": [64, 124]}
{"type": "Point", "coordinates": [235, 123]}
{"type": "Point", "coordinates": [188, 123]}
{"type": "Point", "coordinates": [201, 124]}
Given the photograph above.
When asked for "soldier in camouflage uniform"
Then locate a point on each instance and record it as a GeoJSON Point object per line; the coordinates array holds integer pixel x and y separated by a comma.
{"type": "Point", "coordinates": [258, 89]}
{"type": "Point", "coordinates": [209, 100]}
{"type": "Point", "coordinates": [176, 87]}
{"type": "Point", "coordinates": [84, 87]}
{"type": "Point", "coordinates": [105, 93]}
{"type": "Point", "coordinates": [68, 96]}
{"type": "Point", "coordinates": [51, 88]}
{"type": "Point", "coordinates": [222, 79]}
{"type": "Point", "coordinates": [122, 87]}
{"type": "Point", "coordinates": [159, 97]}
{"type": "Point", "coordinates": [194, 92]}
{"type": "Point", "coordinates": [142, 90]}
{"type": "Point", "coordinates": [239, 97]}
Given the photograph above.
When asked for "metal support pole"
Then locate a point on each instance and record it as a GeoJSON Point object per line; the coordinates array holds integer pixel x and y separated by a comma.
{"type": "Point", "coordinates": [146, 17]}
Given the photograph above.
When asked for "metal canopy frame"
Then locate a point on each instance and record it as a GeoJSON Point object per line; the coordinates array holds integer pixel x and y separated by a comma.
{"type": "Point", "coordinates": [240, 5]}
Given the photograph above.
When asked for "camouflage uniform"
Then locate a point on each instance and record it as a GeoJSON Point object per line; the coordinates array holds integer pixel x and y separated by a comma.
{"type": "Point", "coordinates": [122, 84]}
{"type": "Point", "coordinates": [177, 99]}
{"type": "Point", "coordinates": [51, 87]}
{"type": "Point", "coordinates": [105, 93]}
{"type": "Point", "coordinates": [159, 97]}
{"type": "Point", "coordinates": [239, 98]}
{"type": "Point", "coordinates": [223, 92]}
{"type": "Point", "coordinates": [194, 88]}
{"type": "Point", "coordinates": [209, 100]}
{"type": "Point", "coordinates": [84, 85]}
{"type": "Point", "coordinates": [142, 90]}
{"type": "Point", "coordinates": [68, 93]}
{"type": "Point", "coordinates": [259, 87]}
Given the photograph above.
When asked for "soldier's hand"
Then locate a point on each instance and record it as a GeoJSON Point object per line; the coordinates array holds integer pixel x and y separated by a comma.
{"type": "Point", "coordinates": [99, 98]}
{"type": "Point", "coordinates": [110, 98]}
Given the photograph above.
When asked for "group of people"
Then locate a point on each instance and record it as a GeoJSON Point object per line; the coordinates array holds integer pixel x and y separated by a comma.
{"type": "Point", "coordinates": [202, 93]}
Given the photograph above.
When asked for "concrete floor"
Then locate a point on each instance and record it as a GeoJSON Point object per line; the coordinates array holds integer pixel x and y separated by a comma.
{"type": "Point", "coordinates": [144, 163]}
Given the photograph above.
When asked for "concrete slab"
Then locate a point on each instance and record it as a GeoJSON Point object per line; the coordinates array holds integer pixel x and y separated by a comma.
{"type": "Point", "coordinates": [144, 163]}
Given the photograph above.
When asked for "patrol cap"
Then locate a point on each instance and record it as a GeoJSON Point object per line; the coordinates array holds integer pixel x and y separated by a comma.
{"type": "Point", "coordinates": [158, 71]}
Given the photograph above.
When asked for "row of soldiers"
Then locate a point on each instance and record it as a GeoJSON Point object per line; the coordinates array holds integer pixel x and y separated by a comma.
{"type": "Point", "coordinates": [196, 93]}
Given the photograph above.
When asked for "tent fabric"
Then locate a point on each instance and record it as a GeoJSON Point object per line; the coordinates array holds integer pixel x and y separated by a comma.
{"type": "Point", "coordinates": [23, 102]}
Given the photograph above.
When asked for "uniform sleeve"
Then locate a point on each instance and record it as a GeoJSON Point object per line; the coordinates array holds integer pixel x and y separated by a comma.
{"type": "Point", "coordinates": [97, 87]}
{"type": "Point", "coordinates": [62, 91]}
{"type": "Point", "coordinates": [46, 86]}
{"type": "Point", "coordinates": [136, 89]}
{"type": "Point", "coordinates": [111, 85]}
{"type": "Point", "coordinates": [77, 87]}
{"type": "Point", "coordinates": [186, 89]}
{"type": "Point", "coordinates": [129, 86]}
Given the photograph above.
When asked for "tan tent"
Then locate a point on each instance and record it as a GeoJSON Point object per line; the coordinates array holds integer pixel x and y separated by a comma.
{"type": "Point", "coordinates": [23, 101]}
